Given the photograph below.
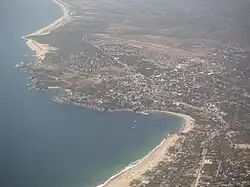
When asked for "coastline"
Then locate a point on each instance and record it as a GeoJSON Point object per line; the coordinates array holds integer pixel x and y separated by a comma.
{"type": "Point", "coordinates": [148, 162]}
{"type": "Point", "coordinates": [136, 169]}
{"type": "Point", "coordinates": [188, 121]}
{"type": "Point", "coordinates": [124, 176]}
{"type": "Point", "coordinates": [42, 49]}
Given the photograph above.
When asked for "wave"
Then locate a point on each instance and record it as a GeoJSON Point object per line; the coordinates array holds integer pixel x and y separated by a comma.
{"type": "Point", "coordinates": [131, 165]}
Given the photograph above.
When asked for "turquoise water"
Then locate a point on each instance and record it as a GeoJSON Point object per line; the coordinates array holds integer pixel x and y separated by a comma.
{"type": "Point", "coordinates": [45, 144]}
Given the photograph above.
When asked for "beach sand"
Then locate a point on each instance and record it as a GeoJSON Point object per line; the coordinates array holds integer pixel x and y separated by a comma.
{"type": "Point", "coordinates": [188, 121]}
{"type": "Point", "coordinates": [42, 49]}
{"type": "Point", "coordinates": [147, 163]}
{"type": "Point", "coordinates": [65, 18]}
{"type": "Point", "coordinates": [151, 160]}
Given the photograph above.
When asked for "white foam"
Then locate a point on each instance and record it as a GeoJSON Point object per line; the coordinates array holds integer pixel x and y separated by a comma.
{"type": "Point", "coordinates": [131, 165]}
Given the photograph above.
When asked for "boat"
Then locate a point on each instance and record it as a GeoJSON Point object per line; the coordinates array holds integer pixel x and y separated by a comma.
{"type": "Point", "coordinates": [134, 124]}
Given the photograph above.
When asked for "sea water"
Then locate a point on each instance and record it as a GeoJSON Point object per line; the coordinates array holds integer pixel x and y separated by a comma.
{"type": "Point", "coordinates": [45, 144]}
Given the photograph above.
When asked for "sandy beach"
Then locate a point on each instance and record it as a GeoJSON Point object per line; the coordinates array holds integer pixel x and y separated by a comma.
{"type": "Point", "coordinates": [151, 160]}
{"type": "Point", "coordinates": [42, 49]}
{"type": "Point", "coordinates": [188, 121]}
{"type": "Point", "coordinates": [147, 163]}
{"type": "Point", "coordinates": [65, 18]}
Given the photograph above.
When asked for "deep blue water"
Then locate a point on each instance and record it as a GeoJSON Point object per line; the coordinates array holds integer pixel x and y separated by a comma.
{"type": "Point", "coordinates": [45, 144]}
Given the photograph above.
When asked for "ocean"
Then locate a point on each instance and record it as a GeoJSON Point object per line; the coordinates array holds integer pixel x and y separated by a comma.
{"type": "Point", "coordinates": [45, 144]}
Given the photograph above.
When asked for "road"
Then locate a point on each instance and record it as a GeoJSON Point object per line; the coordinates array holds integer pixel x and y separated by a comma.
{"type": "Point", "coordinates": [204, 152]}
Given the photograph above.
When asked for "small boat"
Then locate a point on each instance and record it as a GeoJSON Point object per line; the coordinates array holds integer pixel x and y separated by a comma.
{"type": "Point", "coordinates": [134, 125]}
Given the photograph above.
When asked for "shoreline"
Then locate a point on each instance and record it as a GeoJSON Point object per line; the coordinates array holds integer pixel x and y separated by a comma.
{"type": "Point", "coordinates": [130, 166]}
{"type": "Point", "coordinates": [187, 125]}
{"type": "Point", "coordinates": [42, 49]}
{"type": "Point", "coordinates": [188, 121]}
{"type": "Point", "coordinates": [133, 170]}
{"type": "Point", "coordinates": [136, 169]}
{"type": "Point", "coordinates": [55, 24]}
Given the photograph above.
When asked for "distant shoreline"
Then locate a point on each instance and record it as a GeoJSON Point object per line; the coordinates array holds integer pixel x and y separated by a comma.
{"type": "Point", "coordinates": [42, 49]}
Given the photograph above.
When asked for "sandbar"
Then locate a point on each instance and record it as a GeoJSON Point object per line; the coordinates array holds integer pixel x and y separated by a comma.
{"type": "Point", "coordinates": [42, 49]}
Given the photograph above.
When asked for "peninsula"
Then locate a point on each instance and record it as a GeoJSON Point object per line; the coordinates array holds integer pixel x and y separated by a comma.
{"type": "Point", "coordinates": [156, 56]}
